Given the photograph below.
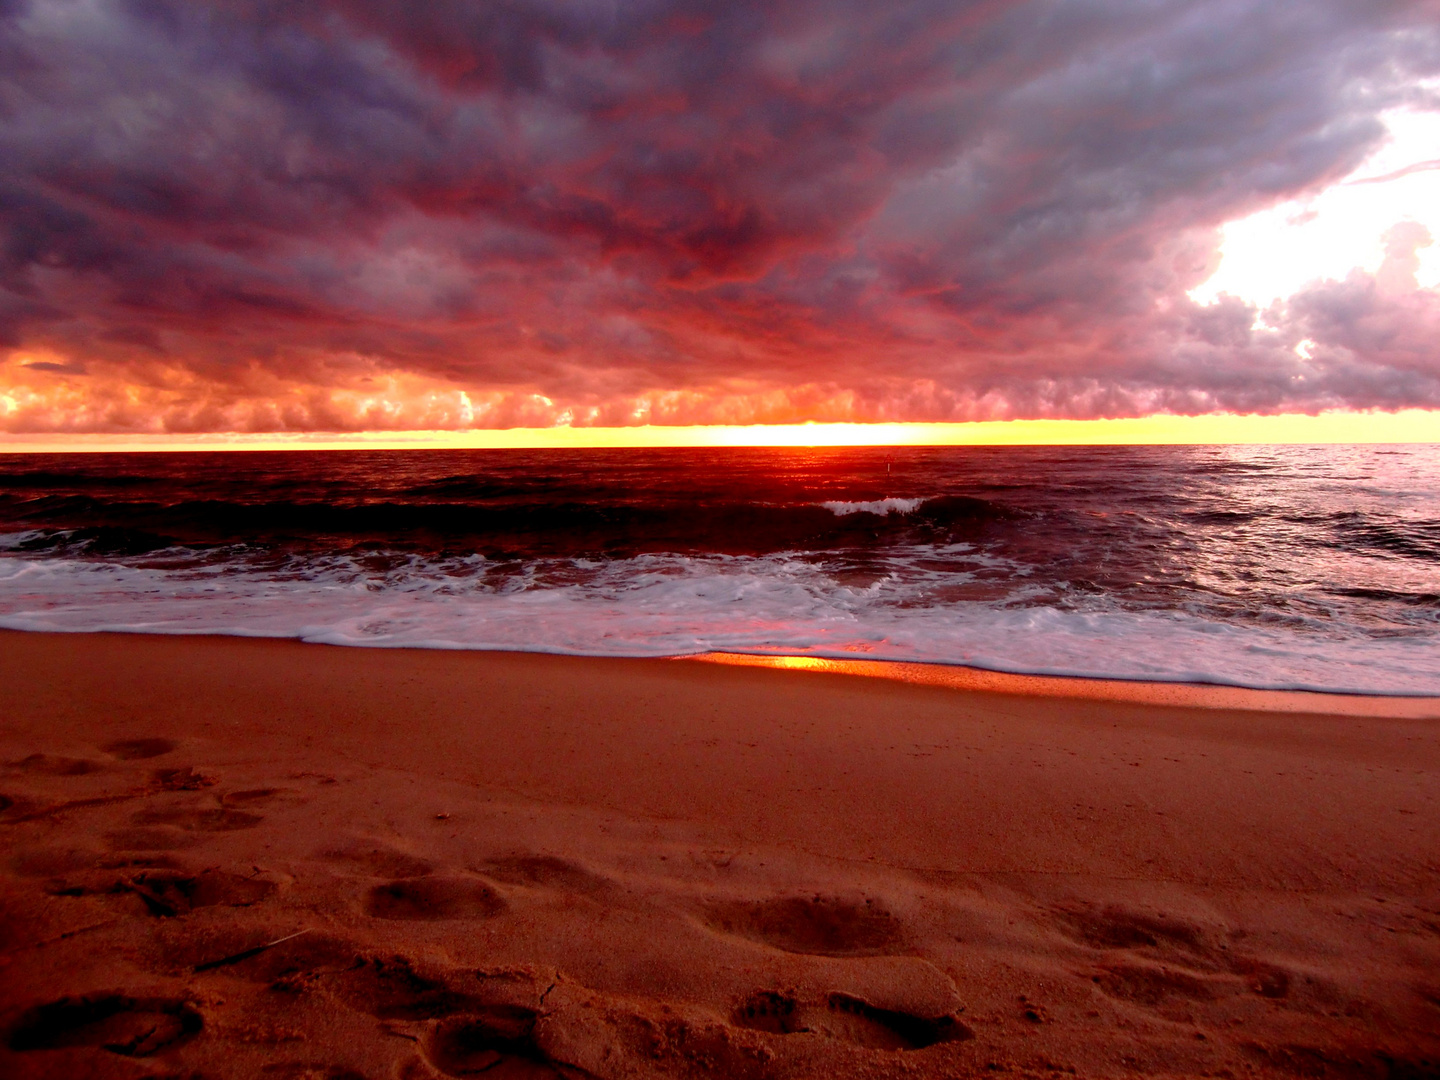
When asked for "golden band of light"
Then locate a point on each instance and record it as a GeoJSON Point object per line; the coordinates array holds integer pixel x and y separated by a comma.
{"type": "Point", "coordinates": [1408, 426]}
{"type": "Point", "coordinates": [1187, 695]}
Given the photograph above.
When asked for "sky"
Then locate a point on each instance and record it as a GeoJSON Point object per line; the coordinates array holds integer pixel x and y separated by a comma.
{"type": "Point", "coordinates": [373, 216]}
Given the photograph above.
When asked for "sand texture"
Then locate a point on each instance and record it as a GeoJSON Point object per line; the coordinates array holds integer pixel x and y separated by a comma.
{"type": "Point", "coordinates": [528, 866]}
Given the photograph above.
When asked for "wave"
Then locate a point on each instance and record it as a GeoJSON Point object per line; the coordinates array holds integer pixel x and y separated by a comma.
{"type": "Point", "coordinates": [82, 524]}
{"type": "Point", "coordinates": [43, 479]}
{"type": "Point", "coordinates": [672, 605]}
{"type": "Point", "coordinates": [1418, 540]}
{"type": "Point", "coordinates": [878, 507]}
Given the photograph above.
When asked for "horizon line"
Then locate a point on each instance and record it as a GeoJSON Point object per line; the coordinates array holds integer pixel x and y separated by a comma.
{"type": "Point", "coordinates": [1415, 426]}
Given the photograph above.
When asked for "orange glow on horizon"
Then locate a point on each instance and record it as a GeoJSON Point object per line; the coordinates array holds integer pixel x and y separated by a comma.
{"type": "Point", "coordinates": [1408, 426]}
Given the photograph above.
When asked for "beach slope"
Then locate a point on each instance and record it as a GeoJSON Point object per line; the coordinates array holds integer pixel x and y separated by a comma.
{"type": "Point", "coordinates": [248, 858]}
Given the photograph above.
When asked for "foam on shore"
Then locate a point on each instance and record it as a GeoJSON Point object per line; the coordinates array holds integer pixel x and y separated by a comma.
{"type": "Point", "coordinates": [670, 605]}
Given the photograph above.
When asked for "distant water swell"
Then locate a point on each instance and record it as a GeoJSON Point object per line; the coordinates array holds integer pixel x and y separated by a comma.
{"type": "Point", "coordinates": [1286, 568]}
{"type": "Point", "coordinates": [90, 526]}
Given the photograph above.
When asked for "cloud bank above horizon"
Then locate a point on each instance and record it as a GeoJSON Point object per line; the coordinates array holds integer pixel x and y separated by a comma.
{"type": "Point", "coordinates": [245, 215]}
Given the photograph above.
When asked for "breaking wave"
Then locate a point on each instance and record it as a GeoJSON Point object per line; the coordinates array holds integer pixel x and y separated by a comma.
{"type": "Point", "coordinates": [878, 507]}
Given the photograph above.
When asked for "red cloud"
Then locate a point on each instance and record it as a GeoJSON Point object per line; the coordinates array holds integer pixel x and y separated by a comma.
{"type": "Point", "coordinates": [253, 216]}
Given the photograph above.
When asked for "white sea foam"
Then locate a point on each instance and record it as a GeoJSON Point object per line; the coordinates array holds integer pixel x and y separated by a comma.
{"type": "Point", "coordinates": [667, 605]}
{"type": "Point", "coordinates": [879, 507]}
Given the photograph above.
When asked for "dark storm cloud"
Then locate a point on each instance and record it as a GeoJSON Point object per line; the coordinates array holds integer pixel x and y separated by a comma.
{"type": "Point", "coordinates": [345, 214]}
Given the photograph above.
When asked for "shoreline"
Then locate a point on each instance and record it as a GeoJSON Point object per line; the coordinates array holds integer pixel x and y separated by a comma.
{"type": "Point", "coordinates": [940, 674]}
{"type": "Point", "coordinates": [1138, 691]}
{"type": "Point", "coordinates": [617, 868]}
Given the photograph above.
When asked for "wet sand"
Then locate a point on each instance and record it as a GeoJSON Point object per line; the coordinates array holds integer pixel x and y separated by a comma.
{"type": "Point", "coordinates": [519, 865]}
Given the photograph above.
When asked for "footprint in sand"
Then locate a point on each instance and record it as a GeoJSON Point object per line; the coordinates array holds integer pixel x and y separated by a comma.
{"type": "Point", "coordinates": [498, 1042]}
{"type": "Point", "coordinates": [289, 966]}
{"type": "Point", "coordinates": [848, 1018]}
{"type": "Point", "coordinates": [545, 871]}
{"type": "Point", "coordinates": [1267, 980]}
{"type": "Point", "coordinates": [45, 862]}
{"type": "Point", "coordinates": [1144, 984]}
{"type": "Point", "coordinates": [390, 988]}
{"type": "Point", "coordinates": [817, 925]}
{"type": "Point", "coordinates": [772, 1011]}
{"type": "Point", "coordinates": [172, 828]}
{"type": "Point", "coordinates": [433, 898]}
{"type": "Point", "coordinates": [377, 860]}
{"type": "Point", "coordinates": [309, 1070]}
{"type": "Point", "coordinates": [186, 778]}
{"type": "Point", "coordinates": [139, 749]}
{"type": "Point", "coordinates": [261, 796]}
{"type": "Point", "coordinates": [1196, 968]}
{"type": "Point", "coordinates": [1300, 1060]}
{"type": "Point", "coordinates": [157, 838]}
{"type": "Point", "coordinates": [132, 1027]}
{"type": "Point", "coordinates": [168, 893]}
{"type": "Point", "coordinates": [51, 765]}
{"type": "Point", "coordinates": [1119, 928]}
{"type": "Point", "coordinates": [198, 818]}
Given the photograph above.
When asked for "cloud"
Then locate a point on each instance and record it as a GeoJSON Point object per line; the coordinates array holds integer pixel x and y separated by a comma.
{"type": "Point", "coordinates": [59, 368]}
{"type": "Point", "coordinates": [241, 214]}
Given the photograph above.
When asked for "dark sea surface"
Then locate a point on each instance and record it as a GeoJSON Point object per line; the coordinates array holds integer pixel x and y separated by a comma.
{"type": "Point", "coordinates": [1286, 567]}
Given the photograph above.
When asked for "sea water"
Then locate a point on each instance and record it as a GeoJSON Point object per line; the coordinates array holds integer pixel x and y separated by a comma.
{"type": "Point", "coordinates": [1283, 567]}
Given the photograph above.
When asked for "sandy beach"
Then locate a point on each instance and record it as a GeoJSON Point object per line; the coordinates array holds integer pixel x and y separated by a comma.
{"type": "Point", "coordinates": [524, 865]}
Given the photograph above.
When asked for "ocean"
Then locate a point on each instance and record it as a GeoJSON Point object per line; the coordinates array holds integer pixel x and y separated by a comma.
{"type": "Point", "coordinates": [1271, 567]}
